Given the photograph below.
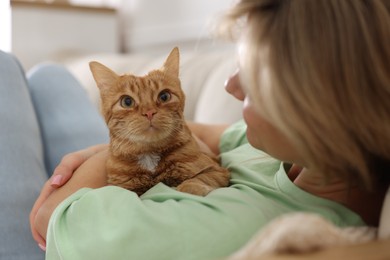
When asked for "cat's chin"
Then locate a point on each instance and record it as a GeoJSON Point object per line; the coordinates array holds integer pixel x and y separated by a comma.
{"type": "Point", "coordinates": [152, 130]}
{"type": "Point", "coordinates": [153, 134]}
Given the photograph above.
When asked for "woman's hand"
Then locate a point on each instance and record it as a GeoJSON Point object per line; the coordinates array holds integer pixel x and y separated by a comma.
{"type": "Point", "coordinates": [91, 174]}
{"type": "Point", "coordinates": [70, 162]}
{"type": "Point", "coordinates": [61, 175]}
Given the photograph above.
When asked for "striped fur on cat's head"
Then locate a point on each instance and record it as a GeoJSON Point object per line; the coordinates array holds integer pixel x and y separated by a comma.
{"type": "Point", "coordinates": [142, 109]}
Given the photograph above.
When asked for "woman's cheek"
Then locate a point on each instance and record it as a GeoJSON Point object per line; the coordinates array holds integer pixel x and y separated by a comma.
{"type": "Point", "coordinates": [264, 136]}
{"type": "Point", "coordinates": [254, 126]}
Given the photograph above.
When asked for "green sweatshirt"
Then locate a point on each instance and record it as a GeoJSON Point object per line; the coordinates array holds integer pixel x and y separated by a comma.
{"type": "Point", "coordinates": [114, 223]}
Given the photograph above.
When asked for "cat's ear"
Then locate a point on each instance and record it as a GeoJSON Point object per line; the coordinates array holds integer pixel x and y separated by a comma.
{"type": "Point", "coordinates": [172, 63]}
{"type": "Point", "coordinates": [103, 76]}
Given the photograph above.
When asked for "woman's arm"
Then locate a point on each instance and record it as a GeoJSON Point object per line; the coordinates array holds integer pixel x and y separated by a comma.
{"type": "Point", "coordinates": [61, 175]}
{"type": "Point", "coordinates": [208, 134]}
{"type": "Point", "coordinates": [91, 174]}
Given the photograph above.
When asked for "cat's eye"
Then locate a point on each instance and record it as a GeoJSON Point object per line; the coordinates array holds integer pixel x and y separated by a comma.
{"type": "Point", "coordinates": [127, 102]}
{"type": "Point", "coordinates": [164, 96]}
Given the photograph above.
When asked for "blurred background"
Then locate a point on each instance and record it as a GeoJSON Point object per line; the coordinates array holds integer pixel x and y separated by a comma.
{"type": "Point", "coordinates": [42, 30]}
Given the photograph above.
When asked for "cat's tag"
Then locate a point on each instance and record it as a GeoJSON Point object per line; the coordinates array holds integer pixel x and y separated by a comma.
{"type": "Point", "coordinates": [149, 161]}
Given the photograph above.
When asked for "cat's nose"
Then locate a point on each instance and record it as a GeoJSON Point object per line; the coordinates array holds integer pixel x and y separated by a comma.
{"type": "Point", "coordinates": [149, 114]}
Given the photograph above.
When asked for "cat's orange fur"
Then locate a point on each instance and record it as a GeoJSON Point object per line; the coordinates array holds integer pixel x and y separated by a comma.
{"type": "Point", "coordinates": [150, 141]}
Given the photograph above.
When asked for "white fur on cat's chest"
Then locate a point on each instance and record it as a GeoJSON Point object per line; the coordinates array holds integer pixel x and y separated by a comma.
{"type": "Point", "coordinates": [149, 161]}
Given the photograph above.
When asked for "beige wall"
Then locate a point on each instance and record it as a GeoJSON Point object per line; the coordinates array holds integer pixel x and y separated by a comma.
{"type": "Point", "coordinates": [42, 33]}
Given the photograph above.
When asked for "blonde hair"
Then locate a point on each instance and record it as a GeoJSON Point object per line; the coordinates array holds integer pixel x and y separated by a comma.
{"type": "Point", "coordinates": [328, 82]}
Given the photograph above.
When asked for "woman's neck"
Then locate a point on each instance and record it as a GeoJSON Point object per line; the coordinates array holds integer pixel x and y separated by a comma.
{"type": "Point", "coordinates": [367, 204]}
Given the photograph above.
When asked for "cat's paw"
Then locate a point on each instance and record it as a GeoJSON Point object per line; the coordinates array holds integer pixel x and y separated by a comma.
{"type": "Point", "coordinates": [194, 187]}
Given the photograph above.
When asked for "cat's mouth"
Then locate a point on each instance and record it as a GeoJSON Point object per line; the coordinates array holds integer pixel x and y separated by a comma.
{"type": "Point", "coordinates": [151, 125]}
{"type": "Point", "coordinates": [151, 128]}
{"type": "Point", "coordinates": [154, 133]}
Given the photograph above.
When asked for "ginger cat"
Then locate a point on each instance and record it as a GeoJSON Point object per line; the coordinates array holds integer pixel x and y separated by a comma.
{"type": "Point", "coordinates": [150, 141]}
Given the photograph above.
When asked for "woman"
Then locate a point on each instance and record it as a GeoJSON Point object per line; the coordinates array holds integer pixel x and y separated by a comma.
{"type": "Point", "coordinates": [315, 82]}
